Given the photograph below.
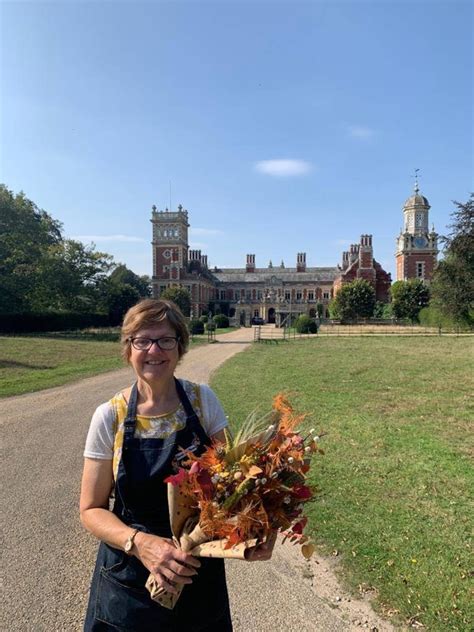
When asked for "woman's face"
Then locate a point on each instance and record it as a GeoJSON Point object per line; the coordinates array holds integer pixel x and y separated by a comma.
{"type": "Point", "coordinates": [155, 365]}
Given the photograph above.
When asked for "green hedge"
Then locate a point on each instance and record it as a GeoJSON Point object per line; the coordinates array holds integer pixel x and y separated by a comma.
{"type": "Point", "coordinates": [50, 321]}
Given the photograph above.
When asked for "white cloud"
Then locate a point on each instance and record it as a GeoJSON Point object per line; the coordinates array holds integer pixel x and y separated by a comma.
{"type": "Point", "coordinates": [283, 167]}
{"type": "Point", "coordinates": [361, 132]}
{"type": "Point", "coordinates": [101, 238]}
{"type": "Point", "coordinates": [198, 245]}
{"type": "Point", "coordinates": [205, 231]}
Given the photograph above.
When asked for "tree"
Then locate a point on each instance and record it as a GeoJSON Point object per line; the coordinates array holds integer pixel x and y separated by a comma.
{"type": "Point", "coordinates": [354, 300]}
{"type": "Point", "coordinates": [39, 269]}
{"type": "Point", "coordinates": [453, 281]}
{"type": "Point", "coordinates": [408, 298]}
{"type": "Point", "coordinates": [71, 278]}
{"type": "Point", "coordinates": [120, 297]}
{"type": "Point", "coordinates": [26, 234]}
{"type": "Point", "coordinates": [122, 274]}
{"type": "Point", "coordinates": [180, 296]}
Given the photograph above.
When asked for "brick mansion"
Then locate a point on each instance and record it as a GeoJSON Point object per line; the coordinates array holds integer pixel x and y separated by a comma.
{"type": "Point", "coordinates": [275, 292]}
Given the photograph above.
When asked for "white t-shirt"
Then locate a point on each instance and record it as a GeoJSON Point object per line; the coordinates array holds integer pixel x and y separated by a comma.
{"type": "Point", "coordinates": [103, 428]}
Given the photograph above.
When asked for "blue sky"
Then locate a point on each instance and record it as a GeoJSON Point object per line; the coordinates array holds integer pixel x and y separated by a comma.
{"type": "Point", "coordinates": [283, 127]}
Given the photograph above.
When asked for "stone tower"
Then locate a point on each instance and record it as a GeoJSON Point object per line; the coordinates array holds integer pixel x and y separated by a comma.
{"type": "Point", "coordinates": [170, 243]}
{"type": "Point", "coordinates": [417, 246]}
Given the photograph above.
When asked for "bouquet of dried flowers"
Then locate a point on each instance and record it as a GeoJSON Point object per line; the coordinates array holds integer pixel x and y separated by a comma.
{"type": "Point", "coordinates": [237, 494]}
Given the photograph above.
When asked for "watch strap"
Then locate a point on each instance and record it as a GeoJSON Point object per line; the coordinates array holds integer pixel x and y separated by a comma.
{"type": "Point", "coordinates": [129, 543]}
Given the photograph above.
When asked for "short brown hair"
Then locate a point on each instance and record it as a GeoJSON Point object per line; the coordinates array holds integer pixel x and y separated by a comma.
{"type": "Point", "coordinates": [148, 313]}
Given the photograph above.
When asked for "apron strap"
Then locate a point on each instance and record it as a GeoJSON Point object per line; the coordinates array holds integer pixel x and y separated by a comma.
{"type": "Point", "coordinates": [131, 418]}
{"type": "Point", "coordinates": [183, 396]}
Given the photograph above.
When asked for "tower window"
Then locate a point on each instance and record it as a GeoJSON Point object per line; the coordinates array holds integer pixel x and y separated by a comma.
{"type": "Point", "coordinates": [420, 269]}
{"type": "Point", "coordinates": [326, 295]}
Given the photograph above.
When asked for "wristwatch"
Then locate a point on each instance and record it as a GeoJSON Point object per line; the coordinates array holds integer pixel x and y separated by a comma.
{"type": "Point", "coordinates": [129, 543]}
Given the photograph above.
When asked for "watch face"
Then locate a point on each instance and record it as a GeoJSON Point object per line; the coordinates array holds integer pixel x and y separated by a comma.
{"type": "Point", "coordinates": [420, 242]}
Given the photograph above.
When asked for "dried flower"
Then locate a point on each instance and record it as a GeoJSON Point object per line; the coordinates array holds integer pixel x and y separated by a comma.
{"type": "Point", "coordinates": [254, 484]}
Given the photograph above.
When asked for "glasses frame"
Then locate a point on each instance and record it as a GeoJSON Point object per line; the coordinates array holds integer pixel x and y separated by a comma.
{"type": "Point", "coordinates": [154, 341]}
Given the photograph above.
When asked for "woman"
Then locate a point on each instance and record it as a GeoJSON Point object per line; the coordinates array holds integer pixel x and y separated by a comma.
{"type": "Point", "coordinates": [135, 441]}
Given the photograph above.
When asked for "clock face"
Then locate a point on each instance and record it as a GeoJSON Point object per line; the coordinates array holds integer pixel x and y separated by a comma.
{"type": "Point", "coordinates": [420, 242]}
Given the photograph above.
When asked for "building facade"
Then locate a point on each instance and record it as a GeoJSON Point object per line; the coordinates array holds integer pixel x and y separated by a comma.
{"type": "Point", "coordinates": [275, 293]}
{"type": "Point", "coordinates": [417, 246]}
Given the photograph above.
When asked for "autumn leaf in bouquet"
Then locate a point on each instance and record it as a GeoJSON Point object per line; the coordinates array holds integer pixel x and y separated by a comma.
{"type": "Point", "coordinates": [254, 484]}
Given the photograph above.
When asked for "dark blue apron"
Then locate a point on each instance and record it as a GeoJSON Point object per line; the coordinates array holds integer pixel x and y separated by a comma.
{"type": "Point", "coordinates": [118, 597]}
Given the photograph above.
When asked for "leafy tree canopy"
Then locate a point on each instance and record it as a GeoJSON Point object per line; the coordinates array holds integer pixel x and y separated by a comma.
{"type": "Point", "coordinates": [453, 281]}
{"type": "Point", "coordinates": [40, 270]}
{"type": "Point", "coordinates": [180, 296]}
{"type": "Point", "coordinates": [120, 297]}
{"type": "Point", "coordinates": [354, 300]}
{"type": "Point", "coordinates": [121, 274]}
{"type": "Point", "coordinates": [408, 298]}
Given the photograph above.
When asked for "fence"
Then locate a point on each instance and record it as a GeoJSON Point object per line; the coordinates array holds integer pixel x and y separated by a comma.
{"type": "Point", "coordinates": [387, 328]}
{"type": "Point", "coordinates": [268, 333]}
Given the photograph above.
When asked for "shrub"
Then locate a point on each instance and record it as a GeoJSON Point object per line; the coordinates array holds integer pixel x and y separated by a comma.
{"type": "Point", "coordinates": [383, 310]}
{"type": "Point", "coordinates": [306, 325]}
{"type": "Point", "coordinates": [196, 327]}
{"type": "Point", "coordinates": [221, 321]}
{"type": "Point", "coordinates": [432, 316]}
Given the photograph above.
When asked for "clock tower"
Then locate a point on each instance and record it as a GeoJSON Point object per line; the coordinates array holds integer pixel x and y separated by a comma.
{"type": "Point", "coordinates": [417, 246]}
{"type": "Point", "coordinates": [170, 244]}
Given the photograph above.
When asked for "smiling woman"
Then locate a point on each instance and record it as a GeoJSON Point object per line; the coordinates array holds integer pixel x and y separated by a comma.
{"type": "Point", "coordinates": [132, 446]}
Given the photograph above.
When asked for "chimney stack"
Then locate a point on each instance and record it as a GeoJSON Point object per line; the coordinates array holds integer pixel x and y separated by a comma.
{"type": "Point", "coordinates": [250, 265]}
{"type": "Point", "coordinates": [301, 262]}
{"type": "Point", "coordinates": [366, 252]}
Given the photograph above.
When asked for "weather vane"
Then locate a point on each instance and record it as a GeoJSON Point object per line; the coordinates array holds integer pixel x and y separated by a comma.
{"type": "Point", "coordinates": [417, 188]}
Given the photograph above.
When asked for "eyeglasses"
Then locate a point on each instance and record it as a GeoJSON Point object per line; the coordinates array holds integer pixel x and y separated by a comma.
{"type": "Point", "coordinates": [167, 343]}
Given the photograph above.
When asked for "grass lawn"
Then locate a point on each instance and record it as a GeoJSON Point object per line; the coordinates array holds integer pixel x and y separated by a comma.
{"type": "Point", "coordinates": [33, 363]}
{"type": "Point", "coordinates": [36, 362]}
{"type": "Point", "coordinates": [396, 478]}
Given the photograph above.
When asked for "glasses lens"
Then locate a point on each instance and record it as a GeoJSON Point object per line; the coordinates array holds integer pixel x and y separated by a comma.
{"type": "Point", "coordinates": [167, 343]}
{"type": "Point", "coordinates": [142, 344]}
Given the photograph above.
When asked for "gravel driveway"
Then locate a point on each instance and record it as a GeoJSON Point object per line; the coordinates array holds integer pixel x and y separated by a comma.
{"type": "Point", "coordinates": [48, 558]}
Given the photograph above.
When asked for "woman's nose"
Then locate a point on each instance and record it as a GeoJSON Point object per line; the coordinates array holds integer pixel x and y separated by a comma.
{"type": "Point", "coordinates": [155, 348]}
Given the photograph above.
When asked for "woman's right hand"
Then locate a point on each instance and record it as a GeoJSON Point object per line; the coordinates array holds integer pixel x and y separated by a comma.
{"type": "Point", "coordinates": [168, 564]}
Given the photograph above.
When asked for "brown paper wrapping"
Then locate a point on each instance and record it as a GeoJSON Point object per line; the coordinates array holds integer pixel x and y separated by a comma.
{"type": "Point", "coordinates": [188, 536]}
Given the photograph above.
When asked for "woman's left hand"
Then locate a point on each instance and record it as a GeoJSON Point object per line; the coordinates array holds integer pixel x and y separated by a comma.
{"type": "Point", "coordinates": [262, 552]}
